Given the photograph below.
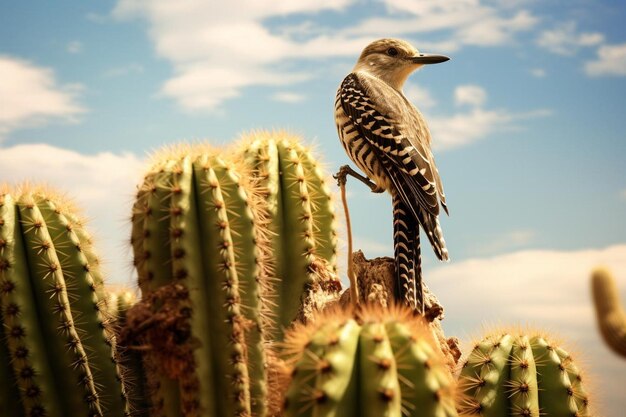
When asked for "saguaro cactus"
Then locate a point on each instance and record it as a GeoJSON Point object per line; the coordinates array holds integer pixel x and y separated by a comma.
{"type": "Point", "coordinates": [609, 311]}
{"type": "Point", "coordinates": [383, 363]}
{"type": "Point", "coordinates": [59, 344]}
{"type": "Point", "coordinates": [515, 374]}
{"type": "Point", "coordinates": [301, 214]}
{"type": "Point", "coordinates": [201, 249]}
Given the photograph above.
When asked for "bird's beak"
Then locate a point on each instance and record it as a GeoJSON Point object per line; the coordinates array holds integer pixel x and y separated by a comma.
{"type": "Point", "coordinates": [428, 59]}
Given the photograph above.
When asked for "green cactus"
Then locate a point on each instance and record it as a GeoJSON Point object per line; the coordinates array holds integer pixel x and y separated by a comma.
{"type": "Point", "coordinates": [610, 314]}
{"type": "Point", "coordinates": [57, 338]}
{"type": "Point", "coordinates": [515, 374]}
{"type": "Point", "coordinates": [301, 214]}
{"type": "Point", "coordinates": [200, 245]}
{"type": "Point", "coordinates": [118, 303]}
{"type": "Point", "coordinates": [383, 363]}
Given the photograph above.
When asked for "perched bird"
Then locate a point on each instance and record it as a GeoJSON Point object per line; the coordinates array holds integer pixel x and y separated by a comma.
{"type": "Point", "coordinates": [388, 139]}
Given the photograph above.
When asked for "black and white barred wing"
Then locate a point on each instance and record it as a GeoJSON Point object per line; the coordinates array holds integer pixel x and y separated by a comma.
{"type": "Point", "coordinates": [409, 168]}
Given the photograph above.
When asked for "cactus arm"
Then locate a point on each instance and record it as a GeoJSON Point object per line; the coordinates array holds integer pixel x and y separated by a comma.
{"type": "Point", "coordinates": [223, 292]}
{"type": "Point", "coordinates": [552, 377]}
{"type": "Point", "coordinates": [81, 289]}
{"type": "Point", "coordinates": [337, 382]}
{"type": "Point", "coordinates": [298, 398]}
{"type": "Point", "coordinates": [66, 353]}
{"type": "Point", "coordinates": [298, 244]}
{"type": "Point", "coordinates": [485, 376]}
{"type": "Point", "coordinates": [86, 247]}
{"type": "Point", "coordinates": [523, 392]}
{"type": "Point", "coordinates": [118, 305]}
{"type": "Point", "coordinates": [379, 387]}
{"type": "Point", "coordinates": [424, 378]}
{"type": "Point", "coordinates": [15, 294]}
{"type": "Point", "coordinates": [610, 314]}
{"type": "Point", "coordinates": [324, 222]}
{"type": "Point", "coordinates": [197, 391]}
{"type": "Point", "coordinates": [578, 391]}
{"type": "Point", "coordinates": [249, 264]}
{"type": "Point", "coordinates": [9, 394]}
{"type": "Point", "coordinates": [324, 377]}
{"type": "Point", "coordinates": [156, 265]}
{"type": "Point", "coordinates": [143, 207]}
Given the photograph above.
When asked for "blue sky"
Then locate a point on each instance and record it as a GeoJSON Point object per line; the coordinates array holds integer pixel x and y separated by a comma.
{"type": "Point", "coordinates": [527, 120]}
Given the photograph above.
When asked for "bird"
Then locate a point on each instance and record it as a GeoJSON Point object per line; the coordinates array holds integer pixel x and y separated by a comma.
{"type": "Point", "coordinates": [388, 139]}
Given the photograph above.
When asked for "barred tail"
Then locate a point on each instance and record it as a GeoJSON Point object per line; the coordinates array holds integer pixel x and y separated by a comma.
{"type": "Point", "coordinates": [407, 256]}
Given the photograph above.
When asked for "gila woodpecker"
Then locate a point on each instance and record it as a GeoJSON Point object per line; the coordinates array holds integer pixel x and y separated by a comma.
{"type": "Point", "coordinates": [388, 139]}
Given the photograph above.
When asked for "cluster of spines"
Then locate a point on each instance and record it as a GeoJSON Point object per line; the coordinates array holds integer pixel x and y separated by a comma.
{"type": "Point", "coordinates": [56, 336]}
{"type": "Point", "coordinates": [377, 362]}
{"type": "Point", "coordinates": [300, 207]}
{"type": "Point", "coordinates": [610, 314]}
{"type": "Point", "coordinates": [203, 206]}
{"type": "Point", "coordinates": [516, 374]}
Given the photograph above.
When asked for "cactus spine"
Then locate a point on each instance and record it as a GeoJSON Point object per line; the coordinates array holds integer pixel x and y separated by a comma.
{"type": "Point", "coordinates": [302, 217]}
{"type": "Point", "coordinates": [58, 340]}
{"type": "Point", "coordinates": [514, 374]}
{"type": "Point", "coordinates": [383, 363]}
{"type": "Point", "coordinates": [609, 311]}
{"type": "Point", "coordinates": [200, 250]}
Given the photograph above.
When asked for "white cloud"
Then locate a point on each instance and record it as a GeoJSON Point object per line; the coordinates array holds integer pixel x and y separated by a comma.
{"type": "Point", "coordinates": [419, 96]}
{"type": "Point", "coordinates": [288, 97]}
{"type": "Point", "coordinates": [611, 61]}
{"type": "Point", "coordinates": [470, 22]}
{"type": "Point", "coordinates": [74, 47]}
{"type": "Point", "coordinates": [622, 194]}
{"type": "Point", "coordinates": [218, 50]}
{"type": "Point", "coordinates": [460, 129]}
{"type": "Point", "coordinates": [538, 72]}
{"type": "Point", "coordinates": [102, 184]}
{"type": "Point", "coordinates": [31, 95]}
{"type": "Point", "coordinates": [543, 288]}
{"type": "Point", "coordinates": [472, 95]}
{"type": "Point", "coordinates": [565, 40]}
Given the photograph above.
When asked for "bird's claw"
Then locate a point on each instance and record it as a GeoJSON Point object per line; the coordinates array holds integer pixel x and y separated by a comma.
{"type": "Point", "coordinates": [345, 170]}
{"type": "Point", "coordinates": [342, 175]}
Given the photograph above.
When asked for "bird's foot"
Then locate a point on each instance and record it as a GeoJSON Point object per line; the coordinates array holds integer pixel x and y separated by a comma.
{"type": "Point", "coordinates": [345, 170]}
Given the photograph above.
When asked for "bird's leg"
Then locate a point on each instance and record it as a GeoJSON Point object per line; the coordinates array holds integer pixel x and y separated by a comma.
{"type": "Point", "coordinates": [345, 170]}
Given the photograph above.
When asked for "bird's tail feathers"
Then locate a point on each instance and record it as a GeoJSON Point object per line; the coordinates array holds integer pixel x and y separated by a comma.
{"type": "Point", "coordinates": [433, 231]}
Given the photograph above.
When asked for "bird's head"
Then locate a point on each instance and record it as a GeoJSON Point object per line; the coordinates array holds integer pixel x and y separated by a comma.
{"type": "Point", "coordinates": [393, 60]}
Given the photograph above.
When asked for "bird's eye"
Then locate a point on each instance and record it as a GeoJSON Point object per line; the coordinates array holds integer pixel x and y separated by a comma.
{"type": "Point", "coordinates": [392, 52]}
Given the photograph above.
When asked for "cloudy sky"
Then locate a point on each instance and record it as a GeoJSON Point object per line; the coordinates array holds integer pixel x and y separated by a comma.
{"type": "Point", "coordinates": [527, 119]}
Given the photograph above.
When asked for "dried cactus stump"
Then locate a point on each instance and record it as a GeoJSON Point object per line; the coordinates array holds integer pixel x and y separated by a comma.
{"type": "Point", "coordinates": [376, 280]}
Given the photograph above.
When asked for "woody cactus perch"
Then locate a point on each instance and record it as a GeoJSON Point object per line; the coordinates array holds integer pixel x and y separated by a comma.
{"type": "Point", "coordinates": [301, 217]}
{"type": "Point", "coordinates": [201, 251]}
{"type": "Point", "coordinates": [515, 374]}
{"type": "Point", "coordinates": [609, 311]}
{"type": "Point", "coordinates": [59, 346]}
{"type": "Point", "coordinates": [379, 362]}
